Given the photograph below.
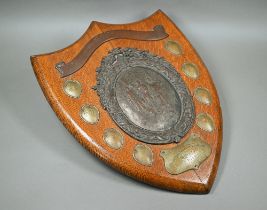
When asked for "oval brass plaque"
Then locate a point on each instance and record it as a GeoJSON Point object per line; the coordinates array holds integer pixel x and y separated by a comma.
{"type": "Point", "coordinates": [143, 155]}
{"type": "Point", "coordinates": [89, 114]}
{"type": "Point", "coordinates": [205, 122]}
{"type": "Point", "coordinates": [72, 88]}
{"type": "Point", "coordinates": [145, 96]}
{"type": "Point", "coordinates": [113, 138]}
{"type": "Point", "coordinates": [190, 70]}
{"type": "Point", "coordinates": [173, 47]}
{"type": "Point", "coordinates": [203, 95]}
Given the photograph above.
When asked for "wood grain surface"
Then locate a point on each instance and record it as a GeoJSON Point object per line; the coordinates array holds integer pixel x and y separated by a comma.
{"type": "Point", "coordinates": [91, 136]}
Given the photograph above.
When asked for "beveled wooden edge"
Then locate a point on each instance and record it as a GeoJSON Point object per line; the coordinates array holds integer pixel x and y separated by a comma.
{"type": "Point", "coordinates": [208, 185]}
{"type": "Point", "coordinates": [184, 186]}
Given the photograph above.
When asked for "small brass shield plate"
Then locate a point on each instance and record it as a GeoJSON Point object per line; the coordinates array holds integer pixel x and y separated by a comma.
{"type": "Point", "coordinates": [72, 88]}
{"type": "Point", "coordinates": [89, 114]}
{"type": "Point", "coordinates": [143, 154]}
{"type": "Point", "coordinates": [113, 138]}
{"type": "Point", "coordinates": [205, 122]}
{"type": "Point", "coordinates": [190, 70]}
{"type": "Point", "coordinates": [173, 47]}
{"type": "Point", "coordinates": [203, 95]}
{"type": "Point", "coordinates": [186, 156]}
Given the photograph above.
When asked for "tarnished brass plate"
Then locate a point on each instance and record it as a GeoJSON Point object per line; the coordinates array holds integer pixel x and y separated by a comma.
{"type": "Point", "coordinates": [72, 88]}
{"type": "Point", "coordinates": [145, 96]}
{"type": "Point", "coordinates": [113, 138]}
{"type": "Point", "coordinates": [203, 95]}
{"type": "Point", "coordinates": [89, 114]}
{"type": "Point", "coordinates": [190, 70]}
{"type": "Point", "coordinates": [205, 122]}
{"type": "Point", "coordinates": [186, 156]}
{"type": "Point", "coordinates": [143, 155]}
{"type": "Point", "coordinates": [173, 47]}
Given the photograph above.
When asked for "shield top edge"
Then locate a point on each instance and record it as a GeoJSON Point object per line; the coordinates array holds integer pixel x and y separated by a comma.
{"type": "Point", "coordinates": [99, 24]}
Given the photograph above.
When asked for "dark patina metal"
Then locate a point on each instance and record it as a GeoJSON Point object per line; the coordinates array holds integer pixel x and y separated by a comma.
{"type": "Point", "coordinates": [145, 96]}
{"type": "Point", "coordinates": [66, 69]}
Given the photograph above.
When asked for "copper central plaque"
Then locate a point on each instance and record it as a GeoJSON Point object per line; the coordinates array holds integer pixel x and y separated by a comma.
{"type": "Point", "coordinates": [145, 96]}
{"type": "Point", "coordinates": [148, 99]}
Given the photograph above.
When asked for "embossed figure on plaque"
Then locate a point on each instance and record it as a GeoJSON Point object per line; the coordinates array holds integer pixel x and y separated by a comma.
{"type": "Point", "coordinates": [145, 96]}
{"type": "Point", "coordinates": [147, 99]}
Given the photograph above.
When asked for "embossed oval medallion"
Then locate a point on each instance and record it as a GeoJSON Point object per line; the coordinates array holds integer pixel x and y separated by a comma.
{"type": "Point", "coordinates": [147, 99]}
{"type": "Point", "coordinates": [145, 96]}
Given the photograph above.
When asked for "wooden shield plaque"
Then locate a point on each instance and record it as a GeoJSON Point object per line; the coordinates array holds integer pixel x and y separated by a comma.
{"type": "Point", "coordinates": [139, 97]}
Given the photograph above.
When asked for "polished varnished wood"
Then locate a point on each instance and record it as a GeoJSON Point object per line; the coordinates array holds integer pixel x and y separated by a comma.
{"type": "Point", "coordinates": [91, 135]}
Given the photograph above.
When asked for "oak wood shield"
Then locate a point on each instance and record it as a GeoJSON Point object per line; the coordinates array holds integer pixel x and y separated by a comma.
{"type": "Point", "coordinates": [91, 135]}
